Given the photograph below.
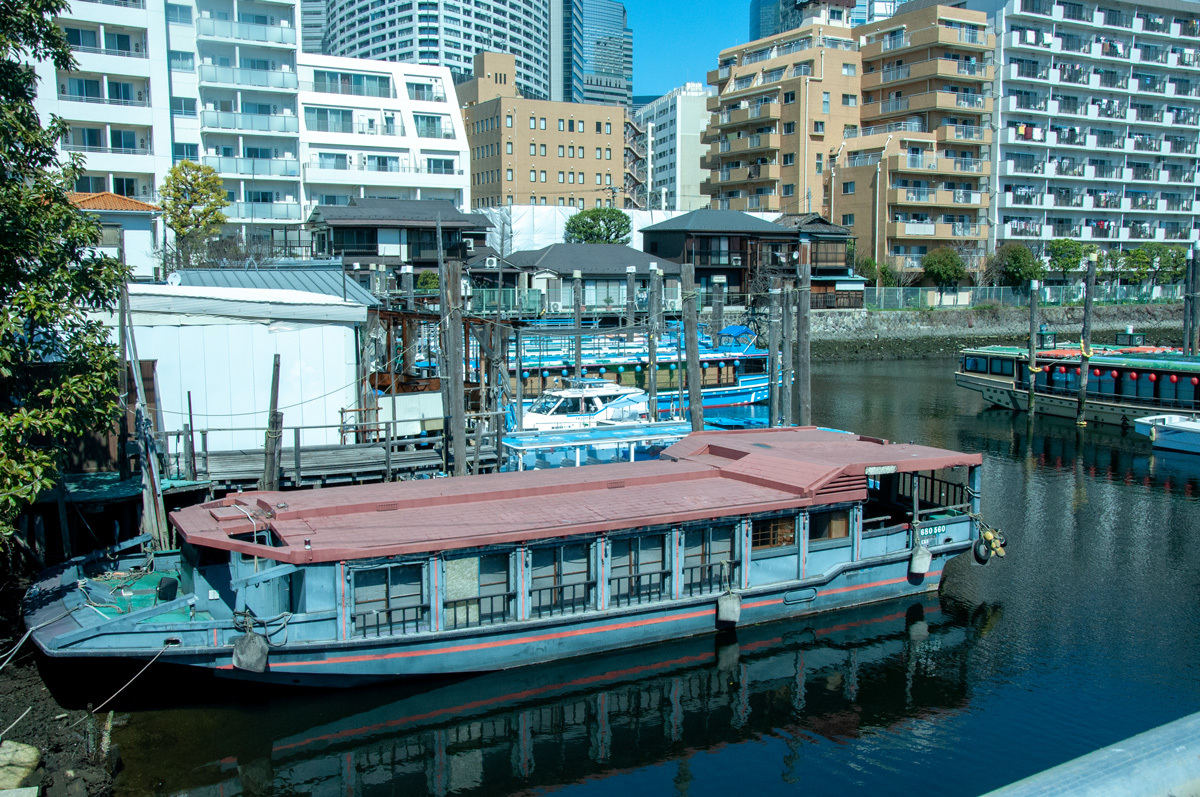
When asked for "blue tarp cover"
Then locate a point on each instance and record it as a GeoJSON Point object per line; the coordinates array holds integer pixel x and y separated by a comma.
{"type": "Point", "coordinates": [736, 331]}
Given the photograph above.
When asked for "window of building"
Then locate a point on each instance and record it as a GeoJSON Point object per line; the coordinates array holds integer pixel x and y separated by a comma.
{"type": "Point", "coordinates": [608, 179]}
{"type": "Point", "coordinates": [776, 532]}
{"type": "Point", "coordinates": [819, 127]}
{"type": "Point", "coordinates": [608, 128]}
{"type": "Point", "coordinates": [849, 131]}
{"type": "Point", "coordinates": [607, 154]}
{"type": "Point", "coordinates": [789, 189]}
{"type": "Point", "coordinates": [598, 178]}
{"type": "Point", "coordinates": [848, 187]}
{"type": "Point", "coordinates": [789, 97]}
{"type": "Point", "coordinates": [532, 148]}
{"type": "Point", "coordinates": [508, 148]}
{"type": "Point", "coordinates": [824, 102]}
{"type": "Point", "coordinates": [542, 150]}
{"type": "Point", "coordinates": [508, 175]}
{"type": "Point", "coordinates": [533, 175]}
{"type": "Point", "coordinates": [562, 125]}
{"type": "Point", "coordinates": [508, 120]}
{"type": "Point", "coordinates": [849, 69]}
{"type": "Point", "coordinates": [561, 150]}
{"type": "Point", "coordinates": [850, 100]}
{"type": "Point", "coordinates": [820, 163]}
{"type": "Point", "coordinates": [789, 159]}
{"type": "Point", "coordinates": [125, 186]}
{"type": "Point", "coordinates": [847, 219]}
{"type": "Point", "coordinates": [599, 154]}
{"type": "Point", "coordinates": [190, 152]}
{"type": "Point", "coordinates": [533, 123]}
{"type": "Point", "coordinates": [179, 14]}
{"type": "Point", "coordinates": [183, 106]}
{"type": "Point", "coordinates": [789, 128]}
{"type": "Point", "coordinates": [562, 177]}
{"type": "Point", "coordinates": [570, 152]}
{"type": "Point", "coordinates": [181, 61]}
{"type": "Point", "coordinates": [542, 176]}
{"type": "Point", "coordinates": [542, 123]}
{"type": "Point", "coordinates": [599, 126]}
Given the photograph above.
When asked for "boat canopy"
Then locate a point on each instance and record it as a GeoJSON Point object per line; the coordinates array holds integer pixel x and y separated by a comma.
{"type": "Point", "coordinates": [706, 475]}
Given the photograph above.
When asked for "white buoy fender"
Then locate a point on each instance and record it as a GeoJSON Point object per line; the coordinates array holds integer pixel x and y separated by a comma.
{"type": "Point", "coordinates": [729, 608]}
{"type": "Point", "coordinates": [918, 565]}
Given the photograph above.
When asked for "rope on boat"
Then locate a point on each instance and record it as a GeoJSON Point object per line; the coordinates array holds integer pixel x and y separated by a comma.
{"type": "Point", "coordinates": [122, 689]}
{"type": "Point", "coordinates": [13, 651]}
{"type": "Point", "coordinates": [4, 732]}
{"type": "Point", "coordinates": [247, 621]}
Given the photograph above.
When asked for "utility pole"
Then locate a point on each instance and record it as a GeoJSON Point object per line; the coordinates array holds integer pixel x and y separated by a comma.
{"type": "Point", "coordinates": [691, 331]}
{"type": "Point", "coordinates": [1033, 289]}
{"type": "Point", "coordinates": [787, 389]}
{"type": "Point", "coordinates": [408, 335]}
{"type": "Point", "coordinates": [802, 393]}
{"type": "Point", "coordinates": [123, 386]}
{"type": "Point", "coordinates": [270, 477]}
{"type": "Point", "coordinates": [577, 278]}
{"type": "Point", "coordinates": [452, 355]}
{"type": "Point", "coordinates": [1085, 340]}
{"type": "Point", "coordinates": [773, 352]}
{"type": "Point", "coordinates": [656, 288]}
{"type": "Point", "coordinates": [630, 307]}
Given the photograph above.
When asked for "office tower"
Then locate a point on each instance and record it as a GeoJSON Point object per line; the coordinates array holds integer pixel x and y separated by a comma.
{"type": "Point", "coordinates": [607, 53]}
{"type": "Point", "coordinates": [673, 125]}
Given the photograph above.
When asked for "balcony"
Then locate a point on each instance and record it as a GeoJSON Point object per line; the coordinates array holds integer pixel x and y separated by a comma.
{"type": "Point", "coordinates": [1025, 167]}
{"type": "Point", "coordinates": [755, 173]}
{"type": "Point", "coordinates": [948, 132]}
{"type": "Point", "coordinates": [237, 77]}
{"type": "Point", "coordinates": [757, 142]}
{"type": "Point", "coordinates": [250, 122]}
{"type": "Point", "coordinates": [1069, 167]}
{"type": "Point", "coordinates": [137, 50]}
{"type": "Point", "coordinates": [119, 3]}
{"type": "Point", "coordinates": [228, 30]}
{"type": "Point", "coordinates": [909, 163]}
{"type": "Point", "coordinates": [141, 101]}
{"type": "Point", "coordinates": [253, 167]}
{"type": "Point", "coordinates": [1024, 229]}
{"type": "Point", "coordinates": [1106, 200]}
{"type": "Point", "coordinates": [1028, 70]}
{"type": "Point", "coordinates": [1068, 199]}
{"type": "Point", "coordinates": [105, 150]}
{"type": "Point", "coordinates": [264, 211]}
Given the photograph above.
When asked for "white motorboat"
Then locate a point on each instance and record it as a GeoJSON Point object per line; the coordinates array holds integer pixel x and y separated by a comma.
{"type": "Point", "coordinates": [584, 403]}
{"type": "Point", "coordinates": [1171, 432]}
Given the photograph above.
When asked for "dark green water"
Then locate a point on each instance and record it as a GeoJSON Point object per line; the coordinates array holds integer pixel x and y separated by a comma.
{"type": "Point", "coordinates": [1091, 636]}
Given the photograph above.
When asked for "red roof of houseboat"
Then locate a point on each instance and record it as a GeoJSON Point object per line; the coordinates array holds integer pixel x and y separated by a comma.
{"type": "Point", "coordinates": [705, 475]}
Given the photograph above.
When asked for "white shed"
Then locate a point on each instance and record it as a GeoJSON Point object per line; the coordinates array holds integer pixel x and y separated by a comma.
{"type": "Point", "coordinates": [218, 344]}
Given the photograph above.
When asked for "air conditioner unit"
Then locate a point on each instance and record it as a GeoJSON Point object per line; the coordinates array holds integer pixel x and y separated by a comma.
{"type": "Point", "coordinates": [468, 244]}
{"type": "Point", "coordinates": [491, 262]}
{"type": "Point", "coordinates": [736, 260]}
{"type": "Point", "coordinates": [556, 307]}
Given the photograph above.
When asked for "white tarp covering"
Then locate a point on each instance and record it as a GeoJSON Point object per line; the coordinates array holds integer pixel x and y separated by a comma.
{"type": "Point", "coordinates": [218, 344]}
{"type": "Point", "coordinates": [518, 228]}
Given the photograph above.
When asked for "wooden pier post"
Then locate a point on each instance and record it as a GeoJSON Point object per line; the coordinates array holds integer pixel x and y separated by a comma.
{"type": "Point", "coordinates": [788, 334]}
{"type": "Point", "coordinates": [773, 352]}
{"type": "Point", "coordinates": [718, 306]}
{"type": "Point", "coordinates": [1033, 327]}
{"type": "Point", "coordinates": [1194, 290]}
{"type": "Point", "coordinates": [630, 305]}
{"type": "Point", "coordinates": [655, 310]}
{"type": "Point", "coordinates": [1187, 302]}
{"type": "Point", "coordinates": [450, 282]}
{"type": "Point", "coordinates": [802, 392]}
{"type": "Point", "coordinates": [1085, 339]}
{"type": "Point", "coordinates": [691, 331]}
{"type": "Point", "coordinates": [577, 279]}
{"type": "Point", "coordinates": [519, 393]}
{"type": "Point", "coordinates": [270, 477]}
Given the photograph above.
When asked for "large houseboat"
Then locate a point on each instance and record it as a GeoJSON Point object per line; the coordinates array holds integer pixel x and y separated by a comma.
{"type": "Point", "coordinates": [494, 571]}
{"type": "Point", "coordinates": [1126, 382]}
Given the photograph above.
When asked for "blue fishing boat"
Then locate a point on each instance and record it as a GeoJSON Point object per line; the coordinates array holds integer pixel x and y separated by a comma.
{"type": "Point", "coordinates": [493, 571]}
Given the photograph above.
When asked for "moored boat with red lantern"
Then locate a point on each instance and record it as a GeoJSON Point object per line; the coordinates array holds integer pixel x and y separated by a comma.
{"type": "Point", "coordinates": [1125, 382]}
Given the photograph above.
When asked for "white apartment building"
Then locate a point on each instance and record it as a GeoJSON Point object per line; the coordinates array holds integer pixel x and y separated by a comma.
{"type": "Point", "coordinates": [673, 125]}
{"type": "Point", "coordinates": [221, 82]}
{"type": "Point", "coordinates": [1098, 106]}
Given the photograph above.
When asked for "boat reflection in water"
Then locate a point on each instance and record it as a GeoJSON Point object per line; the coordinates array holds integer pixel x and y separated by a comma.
{"type": "Point", "coordinates": [1102, 451]}
{"type": "Point", "coordinates": [837, 675]}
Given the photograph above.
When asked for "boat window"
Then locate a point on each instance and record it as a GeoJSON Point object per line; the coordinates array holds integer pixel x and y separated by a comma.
{"type": "Point", "coordinates": [776, 532]}
{"type": "Point", "coordinates": [571, 404]}
{"type": "Point", "coordinates": [829, 529]}
{"type": "Point", "coordinates": [639, 570]}
{"type": "Point", "coordinates": [1002, 366]}
{"type": "Point", "coordinates": [477, 591]}
{"type": "Point", "coordinates": [708, 564]}
{"type": "Point", "coordinates": [390, 600]}
{"type": "Point", "coordinates": [544, 405]}
{"type": "Point", "coordinates": [978, 365]}
{"type": "Point", "coordinates": [561, 580]}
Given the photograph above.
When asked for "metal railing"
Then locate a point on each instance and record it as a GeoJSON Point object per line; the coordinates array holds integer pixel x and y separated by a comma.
{"type": "Point", "coordinates": [266, 167]}
{"type": "Point", "coordinates": [483, 610]}
{"type": "Point", "coordinates": [245, 31]}
{"type": "Point", "coordinates": [388, 622]}
{"type": "Point", "coordinates": [925, 298]}
{"type": "Point", "coordinates": [138, 53]}
{"type": "Point", "coordinates": [709, 577]}
{"type": "Point", "coordinates": [238, 76]}
{"type": "Point", "coordinates": [638, 588]}
{"type": "Point", "coordinates": [559, 599]}
{"type": "Point", "coordinates": [260, 122]}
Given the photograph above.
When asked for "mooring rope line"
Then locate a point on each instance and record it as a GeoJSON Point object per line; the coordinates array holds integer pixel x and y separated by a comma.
{"type": "Point", "coordinates": [122, 689]}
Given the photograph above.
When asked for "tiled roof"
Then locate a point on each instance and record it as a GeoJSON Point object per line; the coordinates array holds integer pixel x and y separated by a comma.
{"type": "Point", "coordinates": [327, 281]}
{"type": "Point", "coordinates": [717, 221]}
{"type": "Point", "coordinates": [591, 259]}
{"type": "Point", "coordinates": [398, 213]}
{"type": "Point", "coordinates": [107, 200]}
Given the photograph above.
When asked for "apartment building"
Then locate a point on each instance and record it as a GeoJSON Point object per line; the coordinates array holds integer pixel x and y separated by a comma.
{"type": "Point", "coordinates": [221, 82]}
{"type": "Point", "coordinates": [915, 174]}
{"type": "Point", "coordinates": [1098, 114]}
{"type": "Point", "coordinates": [782, 102]}
{"type": "Point", "coordinates": [539, 152]}
{"type": "Point", "coordinates": [674, 124]}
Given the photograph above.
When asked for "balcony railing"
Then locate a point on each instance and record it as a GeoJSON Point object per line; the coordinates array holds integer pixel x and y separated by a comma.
{"type": "Point", "coordinates": [919, 194]}
{"type": "Point", "coordinates": [258, 167]}
{"type": "Point", "coordinates": [1067, 230]}
{"type": "Point", "coordinates": [895, 73]}
{"type": "Point", "coordinates": [335, 87]}
{"type": "Point", "coordinates": [1068, 199]}
{"type": "Point", "coordinates": [1070, 168]}
{"type": "Point", "coordinates": [120, 3]}
{"type": "Point", "coordinates": [967, 132]}
{"type": "Point", "coordinates": [140, 52]}
{"type": "Point", "coordinates": [964, 197]}
{"type": "Point", "coordinates": [974, 165]}
{"type": "Point", "coordinates": [264, 210]}
{"type": "Point", "coordinates": [238, 76]}
{"type": "Point", "coordinates": [895, 42]}
{"type": "Point", "coordinates": [106, 150]}
{"type": "Point", "coordinates": [362, 129]}
{"type": "Point", "coordinates": [907, 126]}
{"type": "Point", "coordinates": [966, 229]}
{"type": "Point", "coordinates": [104, 100]}
{"type": "Point", "coordinates": [966, 99]}
{"type": "Point", "coordinates": [894, 105]}
{"type": "Point", "coordinates": [258, 122]}
{"type": "Point", "coordinates": [1142, 201]}
{"type": "Point", "coordinates": [245, 31]}
{"type": "Point", "coordinates": [1106, 200]}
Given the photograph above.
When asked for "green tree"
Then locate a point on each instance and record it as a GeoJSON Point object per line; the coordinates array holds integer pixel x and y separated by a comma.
{"type": "Point", "coordinates": [875, 273]}
{"type": "Point", "coordinates": [1016, 264]}
{"type": "Point", "coordinates": [428, 281]}
{"type": "Point", "coordinates": [1066, 256]}
{"type": "Point", "coordinates": [598, 226]}
{"type": "Point", "coordinates": [57, 366]}
{"type": "Point", "coordinates": [192, 198]}
{"type": "Point", "coordinates": [1156, 262]}
{"type": "Point", "coordinates": [944, 266]}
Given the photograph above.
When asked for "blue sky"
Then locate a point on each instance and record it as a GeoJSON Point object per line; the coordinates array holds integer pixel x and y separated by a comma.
{"type": "Point", "coordinates": [675, 41]}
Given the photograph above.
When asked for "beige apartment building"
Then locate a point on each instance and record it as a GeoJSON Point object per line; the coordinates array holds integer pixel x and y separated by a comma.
{"type": "Point", "coordinates": [539, 152]}
{"type": "Point", "coordinates": [782, 104]}
{"type": "Point", "coordinates": [915, 175]}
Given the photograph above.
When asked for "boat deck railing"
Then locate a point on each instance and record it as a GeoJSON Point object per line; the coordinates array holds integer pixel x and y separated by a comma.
{"type": "Point", "coordinates": [638, 588]}
{"type": "Point", "coordinates": [559, 599]}
{"type": "Point", "coordinates": [389, 622]}
{"type": "Point", "coordinates": [477, 611]}
{"type": "Point", "coordinates": [1151, 403]}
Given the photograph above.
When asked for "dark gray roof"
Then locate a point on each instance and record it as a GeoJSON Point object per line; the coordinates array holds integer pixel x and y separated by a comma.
{"type": "Point", "coordinates": [717, 221]}
{"type": "Point", "coordinates": [814, 224]}
{"type": "Point", "coordinates": [328, 281]}
{"type": "Point", "coordinates": [399, 213]}
{"type": "Point", "coordinates": [591, 259]}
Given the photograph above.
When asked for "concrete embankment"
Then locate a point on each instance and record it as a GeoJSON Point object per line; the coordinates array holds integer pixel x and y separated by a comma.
{"type": "Point", "coordinates": [903, 334]}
